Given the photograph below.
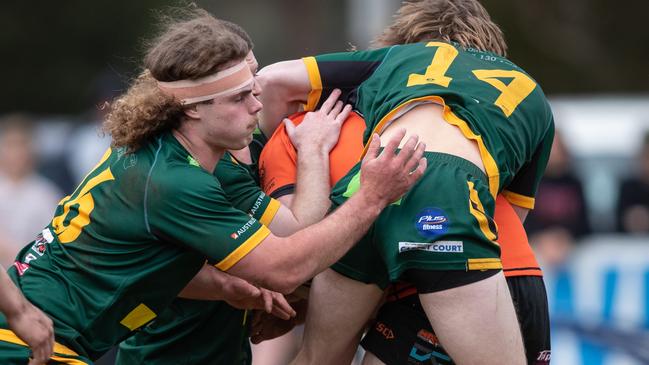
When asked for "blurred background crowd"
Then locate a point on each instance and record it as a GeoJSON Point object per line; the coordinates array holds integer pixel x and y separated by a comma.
{"type": "Point", "coordinates": [64, 61]}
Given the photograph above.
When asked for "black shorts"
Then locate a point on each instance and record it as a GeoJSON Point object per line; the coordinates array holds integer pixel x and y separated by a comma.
{"type": "Point", "coordinates": [431, 281]}
{"type": "Point", "coordinates": [401, 333]}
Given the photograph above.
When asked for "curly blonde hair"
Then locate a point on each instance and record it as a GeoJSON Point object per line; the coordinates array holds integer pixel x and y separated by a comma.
{"type": "Point", "coordinates": [193, 44]}
{"type": "Point", "coordinates": [463, 21]}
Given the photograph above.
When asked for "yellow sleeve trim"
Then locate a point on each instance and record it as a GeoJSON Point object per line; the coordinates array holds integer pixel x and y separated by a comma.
{"type": "Point", "coordinates": [9, 336]}
{"type": "Point", "coordinates": [269, 213]}
{"type": "Point", "coordinates": [316, 83]}
{"type": "Point", "coordinates": [243, 249]}
{"type": "Point", "coordinates": [518, 199]}
{"type": "Point", "coordinates": [138, 317]}
{"type": "Point", "coordinates": [484, 264]}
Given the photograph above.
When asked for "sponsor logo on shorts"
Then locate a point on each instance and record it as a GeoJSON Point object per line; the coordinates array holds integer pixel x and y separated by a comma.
{"type": "Point", "coordinates": [543, 358]}
{"type": "Point", "coordinates": [437, 246]}
{"type": "Point", "coordinates": [423, 354]}
{"type": "Point", "coordinates": [384, 330]}
{"type": "Point", "coordinates": [431, 222]}
{"type": "Point", "coordinates": [243, 229]}
{"type": "Point", "coordinates": [428, 337]}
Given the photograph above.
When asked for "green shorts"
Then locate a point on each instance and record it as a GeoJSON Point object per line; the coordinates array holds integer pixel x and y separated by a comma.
{"type": "Point", "coordinates": [445, 222]}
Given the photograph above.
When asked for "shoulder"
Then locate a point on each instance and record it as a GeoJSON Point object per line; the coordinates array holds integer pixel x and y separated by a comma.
{"type": "Point", "coordinates": [175, 176]}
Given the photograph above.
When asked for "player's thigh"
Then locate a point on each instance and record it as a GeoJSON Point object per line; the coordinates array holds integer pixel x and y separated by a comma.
{"type": "Point", "coordinates": [531, 303]}
{"type": "Point", "coordinates": [280, 350]}
{"type": "Point", "coordinates": [476, 323]}
{"type": "Point", "coordinates": [339, 308]}
{"type": "Point", "coordinates": [370, 359]}
{"type": "Point", "coordinates": [402, 334]}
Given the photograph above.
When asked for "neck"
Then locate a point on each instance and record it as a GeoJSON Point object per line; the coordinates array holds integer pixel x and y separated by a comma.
{"type": "Point", "coordinates": [242, 155]}
{"type": "Point", "coordinates": [206, 155]}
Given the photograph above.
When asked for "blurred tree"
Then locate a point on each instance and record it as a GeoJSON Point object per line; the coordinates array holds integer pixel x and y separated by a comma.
{"type": "Point", "coordinates": [64, 57]}
{"type": "Point", "coordinates": [578, 46]}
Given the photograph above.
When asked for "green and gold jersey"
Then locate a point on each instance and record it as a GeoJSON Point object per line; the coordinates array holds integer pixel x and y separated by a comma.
{"type": "Point", "coordinates": [492, 101]}
{"type": "Point", "coordinates": [129, 238]}
{"type": "Point", "coordinates": [204, 332]}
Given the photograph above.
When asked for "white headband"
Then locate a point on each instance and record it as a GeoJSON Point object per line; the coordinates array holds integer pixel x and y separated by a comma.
{"type": "Point", "coordinates": [208, 87]}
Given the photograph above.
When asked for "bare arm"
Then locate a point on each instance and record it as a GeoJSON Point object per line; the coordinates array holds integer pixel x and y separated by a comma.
{"type": "Point", "coordinates": [285, 86]}
{"type": "Point", "coordinates": [284, 263]}
{"type": "Point", "coordinates": [26, 321]}
{"type": "Point", "coordinates": [213, 284]}
{"type": "Point", "coordinates": [313, 138]}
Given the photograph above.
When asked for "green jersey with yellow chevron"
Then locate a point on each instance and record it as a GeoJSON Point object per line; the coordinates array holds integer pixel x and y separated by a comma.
{"type": "Point", "coordinates": [204, 332]}
{"type": "Point", "coordinates": [130, 237]}
{"type": "Point", "coordinates": [492, 101]}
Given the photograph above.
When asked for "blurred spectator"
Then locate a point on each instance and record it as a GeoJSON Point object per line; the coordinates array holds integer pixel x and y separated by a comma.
{"type": "Point", "coordinates": [88, 137]}
{"type": "Point", "coordinates": [27, 199]}
{"type": "Point", "coordinates": [633, 203]}
{"type": "Point", "coordinates": [560, 215]}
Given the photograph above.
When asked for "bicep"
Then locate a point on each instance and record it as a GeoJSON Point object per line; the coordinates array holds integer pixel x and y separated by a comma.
{"type": "Point", "coordinates": [286, 200]}
{"type": "Point", "coordinates": [284, 223]}
{"type": "Point", "coordinates": [197, 215]}
{"type": "Point", "coordinates": [261, 265]}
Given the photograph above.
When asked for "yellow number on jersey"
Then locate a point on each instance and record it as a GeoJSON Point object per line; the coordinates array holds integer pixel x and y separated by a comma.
{"type": "Point", "coordinates": [70, 232]}
{"type": "Point", "coordinates": [512, 94]}
{"type": "Point", "coordinates": [444, 56]}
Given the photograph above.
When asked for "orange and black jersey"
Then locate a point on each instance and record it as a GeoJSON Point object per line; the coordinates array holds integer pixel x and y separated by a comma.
{"type": "Point", "coordinates": [278, 161]}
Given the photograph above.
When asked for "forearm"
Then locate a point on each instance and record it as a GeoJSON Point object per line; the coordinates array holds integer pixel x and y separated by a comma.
{"type": "Point", "coordinates": [12, 300]}
{"type": "Point", "coordinates": [208, 284]}
{"type": "Point", "coordinates": [311, 199]}
{"type": "Point", "coordinates": [283, 264]}
{"type": "Point", "coordinates": [312, 249]}
{"type": "Point", "coordinates": [346, 225]}
{"type": "Point", "coordinates": [286, 85]}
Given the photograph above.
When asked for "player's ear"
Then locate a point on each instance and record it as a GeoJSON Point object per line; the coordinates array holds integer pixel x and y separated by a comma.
{"type": "Point", "coordinates": [192, 112]}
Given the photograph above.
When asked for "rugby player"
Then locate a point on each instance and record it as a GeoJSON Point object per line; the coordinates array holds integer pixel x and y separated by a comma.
{"type": "Point", "coordinates": [488, 128]}
{"type": "Point", "coordinates": [145, 220]}
{"type": "Point", "coordinates": [401, 332]}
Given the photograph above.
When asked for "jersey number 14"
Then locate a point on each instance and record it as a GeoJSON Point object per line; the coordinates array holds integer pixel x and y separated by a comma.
{"type": "Point", "coordinates": [510, 95]}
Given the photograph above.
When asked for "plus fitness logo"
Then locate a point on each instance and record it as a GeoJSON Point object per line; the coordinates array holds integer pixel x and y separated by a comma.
{"type": "Point", "coordinates": [432, 222]}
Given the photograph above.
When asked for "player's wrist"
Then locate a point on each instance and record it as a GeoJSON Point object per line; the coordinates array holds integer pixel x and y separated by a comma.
{"type": "Point", "coordinates": [313, 150]}
{"type": "Point", "coordinates": [370, 200]}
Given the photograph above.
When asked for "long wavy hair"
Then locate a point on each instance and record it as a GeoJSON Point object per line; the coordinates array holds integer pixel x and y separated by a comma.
{"type": "Point", "coordinates": [191, 45]}
{"type": "Point", "coordinates": [463, 21]}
